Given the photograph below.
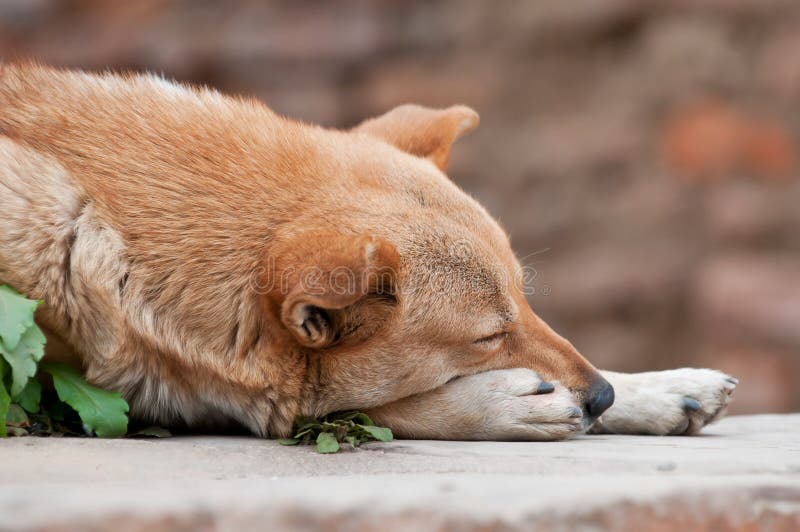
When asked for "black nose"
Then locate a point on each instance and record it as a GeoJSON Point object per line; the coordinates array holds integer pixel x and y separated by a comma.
{"type": "Point", "coordinates": [601, 397]}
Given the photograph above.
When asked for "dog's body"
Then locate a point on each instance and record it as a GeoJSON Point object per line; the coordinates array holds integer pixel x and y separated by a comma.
{"type": "Point", "coordinates": [218, 263]}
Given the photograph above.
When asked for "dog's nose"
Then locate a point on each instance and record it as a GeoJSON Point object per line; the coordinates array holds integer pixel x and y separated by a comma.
{"type": "Point", "coordinates": [601, 397]}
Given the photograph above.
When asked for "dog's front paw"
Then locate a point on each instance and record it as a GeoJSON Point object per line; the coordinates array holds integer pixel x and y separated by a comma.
{"type": "Point", "coordinates": [674, 402]}
{"type": "Point", "coordinates": [515, 404]}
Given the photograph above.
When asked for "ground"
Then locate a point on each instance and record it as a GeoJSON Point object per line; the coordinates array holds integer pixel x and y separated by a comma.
{"type": "Point", "coordinates": [743, 472]}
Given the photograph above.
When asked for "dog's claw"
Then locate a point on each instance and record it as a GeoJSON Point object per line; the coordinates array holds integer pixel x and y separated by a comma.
{"type": "Point", "coordinates": [575, 412]}
{"type": "Point", "coordinates": [691, 404]}
{"type": "Point", "coordinates": [545, 387]}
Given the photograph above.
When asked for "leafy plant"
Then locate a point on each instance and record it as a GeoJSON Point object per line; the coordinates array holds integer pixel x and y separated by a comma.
{"type": "Point", "coordinates": [24, 408]}
{"type": "Point", "coordinates": [102, 412]}
{"type": "Point", "coordinates": [332, 430]}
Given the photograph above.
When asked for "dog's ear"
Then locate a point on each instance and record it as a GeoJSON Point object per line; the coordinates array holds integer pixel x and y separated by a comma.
{"type": "Point", "coordinates": [331, 288]}
{"type": "Point", "coordinates": [421, 131]}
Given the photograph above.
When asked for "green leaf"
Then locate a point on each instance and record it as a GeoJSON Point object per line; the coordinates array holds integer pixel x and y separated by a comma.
{"type": "Point", "coordinates": [363, 419]}
{"type": "Point", "coordinates": [5, 402]}
{"type": "Point", "coordinates": [303, 432]}
{"type": "Point", "coordinates": [352, 440]}
{"type": "Point", "coordinates": [30, 396]}
{"type": "Point", "coordinates": [331, 427]}
{"type": "Point", "coordinates": [101, 412]}
{"type": "Point", "coordinates": [16, 417]}
{"type": "Point", "coordinates": [288, 441]}
{"type": "Point", "coordinates": [326, 443]}
{"type": "Point", "coordinates": [16, 316]}
{"type": "Point", "coordinates": [309, 425]}
{"type": "Point", "coordinates": [379, 433]}
{"type": "Point", "coordinates": [24, 357]}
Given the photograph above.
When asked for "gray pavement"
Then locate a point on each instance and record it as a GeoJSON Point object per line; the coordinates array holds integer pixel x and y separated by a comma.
{"type": "Point", "coordinates": [743, 472]}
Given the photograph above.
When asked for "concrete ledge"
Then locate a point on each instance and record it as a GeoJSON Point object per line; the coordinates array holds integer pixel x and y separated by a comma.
{"type": "Point", "coordinates": [743, 472]}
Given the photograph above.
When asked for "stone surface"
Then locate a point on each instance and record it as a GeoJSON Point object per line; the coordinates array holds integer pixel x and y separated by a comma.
{"type": "Point", "coordinates": [740, 474]}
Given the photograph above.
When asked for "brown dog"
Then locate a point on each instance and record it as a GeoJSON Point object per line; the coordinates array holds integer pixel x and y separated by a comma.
{"type": "Point", "coordinates": [218, 263]}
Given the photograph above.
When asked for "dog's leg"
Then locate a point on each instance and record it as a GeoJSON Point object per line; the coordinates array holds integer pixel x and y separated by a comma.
{"type": "Point", "coordinates": [511, 404]}
{"type": "Point", "coordinates": [679, 401]}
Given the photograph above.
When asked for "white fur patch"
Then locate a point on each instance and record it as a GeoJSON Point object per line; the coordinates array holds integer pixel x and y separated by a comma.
{"type": "Point", "coordinates": [679, 401]}
{"type": "Point", "coordinates": [496, 405]}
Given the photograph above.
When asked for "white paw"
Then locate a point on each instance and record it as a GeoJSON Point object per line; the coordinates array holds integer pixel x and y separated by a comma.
{"type": "Point", "coordinates": [514, 404]}
{"type": "Point", "coordinates": [680, 401]}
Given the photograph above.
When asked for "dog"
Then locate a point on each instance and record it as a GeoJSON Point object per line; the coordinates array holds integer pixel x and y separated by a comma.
{"type": "Point", "coordinates": [221, 265]}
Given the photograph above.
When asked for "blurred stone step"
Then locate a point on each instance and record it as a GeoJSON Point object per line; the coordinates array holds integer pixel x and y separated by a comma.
{"type": "Point", "coordinates": [741, 473]}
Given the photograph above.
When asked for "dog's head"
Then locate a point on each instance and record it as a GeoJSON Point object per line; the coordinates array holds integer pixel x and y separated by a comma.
{"type": "Point", "coordinates": [394, 281]}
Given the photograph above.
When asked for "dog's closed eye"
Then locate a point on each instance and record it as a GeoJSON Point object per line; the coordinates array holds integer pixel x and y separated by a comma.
{"type": "Point", "coordinates": [492, 340]}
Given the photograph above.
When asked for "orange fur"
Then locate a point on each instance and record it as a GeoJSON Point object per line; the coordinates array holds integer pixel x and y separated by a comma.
{"type": "Point", "coordinates": [165, 226]}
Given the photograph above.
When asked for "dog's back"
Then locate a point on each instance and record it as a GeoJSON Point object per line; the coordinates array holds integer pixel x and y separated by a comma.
{"type": "Point", "coordinates": [112, 213]}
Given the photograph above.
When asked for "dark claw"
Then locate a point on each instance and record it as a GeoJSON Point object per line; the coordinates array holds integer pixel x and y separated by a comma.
{"type": "Point", "coordinates": [545, 387]}
{"type": "Point", "coordinates": [575, 412]}
{"type": "Point", "coordinates": [690, 404]}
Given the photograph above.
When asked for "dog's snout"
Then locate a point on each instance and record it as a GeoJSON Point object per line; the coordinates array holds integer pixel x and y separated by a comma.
{"type": "Point", "coordinates": [600, 398]}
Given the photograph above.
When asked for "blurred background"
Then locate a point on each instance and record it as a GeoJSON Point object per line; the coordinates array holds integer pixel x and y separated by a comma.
{"type": "Point", "coordinates": [643, 154]}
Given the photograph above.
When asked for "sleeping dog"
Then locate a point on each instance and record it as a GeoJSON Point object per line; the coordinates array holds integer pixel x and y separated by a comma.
{"type": "Point", "coordinates": [219, 264]}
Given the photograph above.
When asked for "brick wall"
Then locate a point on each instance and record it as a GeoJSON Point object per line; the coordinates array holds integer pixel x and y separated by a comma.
{"type": "Point", "coordinates": [642, 153]}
